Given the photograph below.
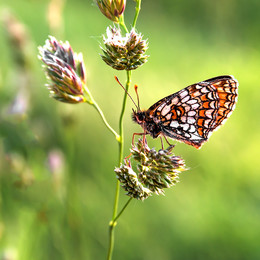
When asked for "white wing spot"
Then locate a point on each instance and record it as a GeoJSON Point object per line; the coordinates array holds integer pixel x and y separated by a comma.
{"type": "Point", "coordinates": [184, 119]}
{"type": "Point", "coordinates": [192, 101]}
{"type": "Point", "coordinates": [195, 106]}
{"type": "Point", "coordinates": [195, 136]}
{"type": "Point", "coordinates": [187, 135]}
{"type": "Point", "coordinates": [207, 122]}
{"type": "Point", "coordinates": [204, 90]}
{"type": "Point", "coordinates": [212, 104]}
{"type": "Point", "coordinates": [168, 116]}
{"type": "Point", "coordinates": [192, 113]}
{"type": "Point", "coordinates": [174, 124]}
{"type": "Point", "coordinates": [192, 128]}
{"type": "Point", "coordinates": [166, 110]}
{"type": "Point", "coordinates": [227, 104]}
{"type": "Point", "coordinates": [185, 126]}
{"type": "Point", "coordinates": [184, 100]}
{"type": "Point", "coordinates": [187, 108]}
{"type": "Point", "coordinates": [210, 96]}
{"type": "Point", "coordinates": [209, 113]}
{"type": "Point", "coordinates": [175, 101]}
{"type": "Point", "coordinates": [191, 120]}
{"type": "Point", "coordinates": [184, 93]}
{"type": "Point", "coordinates": [160, 107]}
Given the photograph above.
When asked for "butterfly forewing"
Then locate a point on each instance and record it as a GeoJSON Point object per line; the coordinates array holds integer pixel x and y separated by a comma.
{"type": "Point", "coordinates": [193, 113]}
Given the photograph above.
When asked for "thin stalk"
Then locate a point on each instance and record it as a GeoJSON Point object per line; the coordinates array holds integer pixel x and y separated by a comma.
{"type": "Point", "coordinates": [113, 223]}
{"type": "Point", "coordinates": [122, 210]}
{"type": "Point", "coordinates": [121, 130]}
{"type": "Point", "coordinates": [115, 217]}
{"type": "Point", "coordinates": [122, 23]}
{"type": "Point", "coordinates": [92, 102]}
{"type": "Point", "coordinates": [105, 121]}
{"type": "Point", "coordinates": [137, 10]}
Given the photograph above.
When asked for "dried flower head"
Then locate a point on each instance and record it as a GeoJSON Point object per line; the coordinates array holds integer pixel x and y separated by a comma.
{"type": "Point", "coordinates": [112, 9]}
{"type": "Point", "coordinates": [124, 53]}
{"type": "Point", "coordinates": [156, 171]}
{"type": "Point", "coordinates": [65, 71]}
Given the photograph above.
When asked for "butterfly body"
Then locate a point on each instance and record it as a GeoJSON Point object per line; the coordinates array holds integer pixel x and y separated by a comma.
{"type": "Point", "coordinates": [193, 113]}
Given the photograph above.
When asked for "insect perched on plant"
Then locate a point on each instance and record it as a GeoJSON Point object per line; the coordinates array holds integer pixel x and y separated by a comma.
{"type": "Point", "coordinates": [191, 114]}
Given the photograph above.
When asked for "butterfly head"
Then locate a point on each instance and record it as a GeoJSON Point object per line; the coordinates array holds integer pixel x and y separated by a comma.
{"type": "Point", "coordinates": [139, 117]}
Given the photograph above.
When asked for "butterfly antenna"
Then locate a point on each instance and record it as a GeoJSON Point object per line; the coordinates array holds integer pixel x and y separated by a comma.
{"type": "Point", "coordinates": [127, 92]}
{"type": "Point", "coordinates": [138, 100]}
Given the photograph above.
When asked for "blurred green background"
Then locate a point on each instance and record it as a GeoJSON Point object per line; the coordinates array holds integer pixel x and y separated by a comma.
{"type": "Point", "coordinates": [56, 160]}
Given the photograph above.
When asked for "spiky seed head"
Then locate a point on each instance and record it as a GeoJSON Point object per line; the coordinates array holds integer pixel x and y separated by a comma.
{"type": "Point", "coordinates": [155, 170]}
{"type": "Point", "coordinates": [158, 170]}
{"type": "Point", "coordinates": [130, 183]}
{"type": "Point", "coordinates": [124, 52]}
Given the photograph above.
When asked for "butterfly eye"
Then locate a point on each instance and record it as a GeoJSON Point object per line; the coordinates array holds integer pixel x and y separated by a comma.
{"type": "Point", "coordinates": [138, 117]}
{"type": "Point", "coordinates": [141, 116]}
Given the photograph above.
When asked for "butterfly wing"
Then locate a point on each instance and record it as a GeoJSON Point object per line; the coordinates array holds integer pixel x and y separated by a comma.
{"type": "Point", "coordinates": [193, 113]}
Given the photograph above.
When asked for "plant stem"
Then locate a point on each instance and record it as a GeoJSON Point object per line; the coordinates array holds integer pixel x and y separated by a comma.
{"type": "Point", "coordinates": [115, 217]}
{"type": "Point", "coordinates": [121, 130]}
{"type": "Point", "coordinates": [113, 223]}
{"type": "Point", "coordinates": [92, 102]}
{"type": "Point", "coordinates": [122, 210]}
{"type": "Point", "coordinates": [105, 121]}
{"type": "Point", "coordinates": [122, 23]}
{"type": "Point", "coordinates": [137, 10]}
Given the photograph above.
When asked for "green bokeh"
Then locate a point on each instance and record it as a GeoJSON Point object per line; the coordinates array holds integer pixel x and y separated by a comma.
{"type": "Point", "coordinates": [213, 213]}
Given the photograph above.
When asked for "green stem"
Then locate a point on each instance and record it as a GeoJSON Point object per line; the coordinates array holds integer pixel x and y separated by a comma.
{"type": "Point", "coordinates": [122, 210]}
{"type": "Point", "coordinates": [122, 23]}
{"type": "Point", "coordinates": [92, 102]}
{"type": "Point", "coordinates": [121, 130]}
{"type": "Point", "coordinates": [105, 121]}
{"type": "Point", "coordinates": [113, 223]}
{"type": "Point", "coordinates": [137, 10]}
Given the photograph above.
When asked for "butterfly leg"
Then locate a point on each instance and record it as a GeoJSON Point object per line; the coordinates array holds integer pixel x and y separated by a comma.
{"type": "Point", "coordinates": [168, 141]}
{"type": "Point", "coordinates": [127, 158]}
{"type": "Point", "coordinates": [133, 138]}
{"type": "Point", "coordinates": [162, 142]}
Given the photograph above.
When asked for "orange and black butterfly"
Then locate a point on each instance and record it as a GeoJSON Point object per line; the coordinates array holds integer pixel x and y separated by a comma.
{"type": "Point", "coordinates": [193, 113]}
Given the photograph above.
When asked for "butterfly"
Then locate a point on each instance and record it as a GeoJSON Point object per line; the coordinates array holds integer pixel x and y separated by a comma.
{"type": "Point", "coordinates": [193, 113]}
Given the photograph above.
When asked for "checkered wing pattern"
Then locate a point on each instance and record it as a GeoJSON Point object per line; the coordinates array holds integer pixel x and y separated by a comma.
{"type": "Point", "coordinates": [193, 113]}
